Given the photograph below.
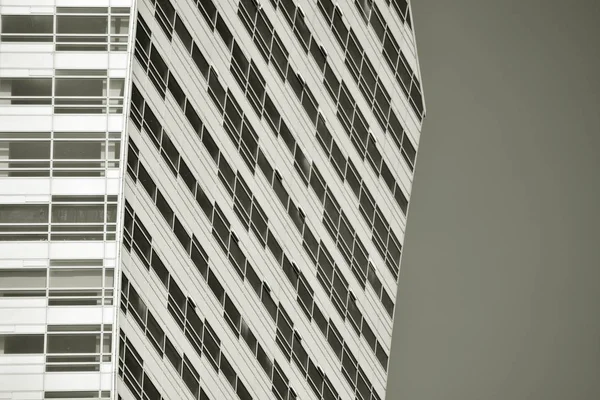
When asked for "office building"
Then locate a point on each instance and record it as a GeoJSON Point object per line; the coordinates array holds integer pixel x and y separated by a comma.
{"type": "Point", "coordinates": [203, 199]}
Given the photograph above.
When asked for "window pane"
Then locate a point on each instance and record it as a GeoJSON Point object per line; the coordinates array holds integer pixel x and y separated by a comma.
{"type": "Point", "coordinates": [83, 343]}
{"type": "Point", "coordinates": [21, 344]}
{"type": "Point", "coordinates": [27, 24]}
{"type": "Point", "coordinates": [78, 150]}
{"type": "Point", "coordinates": [23, 213]}
{"type": "Point", "coordinates": [80, 87]}
{"type": "Point", "coordinates": [25, 87]}
{"type": "Point", "coordinates": [25, 150]}
{"type": "Point", "coordinates": [78, 213]}
{"type": "Point", "coordinates": [81, 24]}
{"type": "Point", "coordinates": [75, 278]}
{"type": "Point", "coordinates": [22, 278]}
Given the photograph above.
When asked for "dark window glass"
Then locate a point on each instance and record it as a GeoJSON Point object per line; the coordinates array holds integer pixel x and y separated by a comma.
{"type": "Point", "coordinates": [224, 31]}
{"type": "Point", "coordinates": [155, 330]}
{"type": "Point", "coordinates": [242, 392]}
{"type": "Point", "coordinates": [387, 303]}
{"type": "Point", "coordinates": [212, 347]}
{"type": "Point", "coordinates": [183, 33]}
{"type": "Point", "coordinates": [182, 235]}
{"type": "Point", "coordinates": [210, 145]}
{"type": "Point", "coordinates": [27, 24]}
{"type": "Point", "coordinates": [164, 208]}
{"type": "Point", "coordinates": [264, 360]}
{"type": "Point", "coordinates": [21, 344]}
{"type": "Point", "coordinates": [320, 319]}
{"type": "Point", "coordinates": [269, 303]}
{"type": "Point", "coordinates": [275, 247]}
{"type": "Point", "coordinates": [160, 269]}
{"type": "Point", "coordinates": [77, 213]}
{"type": "Point", "coordinates": [232, 312]}
{"type": "Point", "coordinates": [23, 213]}
{"type": "Point", "coordinates": [190, 380]}
{"type": "Point", "coordinates": [216, 287]}
{"type": "Point", "coordinates": [173, 355]}
{"type": "Point", "coordinates": [176, 91]}
{"type": "Point", "coordinates": [199, 259]}
{"type": "Point", "coordinates": [248, 336]}
{"type": "Point", "coordinates": [81, 24]}
{"type": "Point", "coordinates": [382, 356]}
{"type": "Point", "coordinates": [253, 278]}
{"type": "Point", "coordinates": [228, 371]}
{"type": "Point", "coordinates": [200, 61]}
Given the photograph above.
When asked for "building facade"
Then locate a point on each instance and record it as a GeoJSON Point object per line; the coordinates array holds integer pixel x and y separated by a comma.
{"type": "Point", "coordinates": [203, 199]}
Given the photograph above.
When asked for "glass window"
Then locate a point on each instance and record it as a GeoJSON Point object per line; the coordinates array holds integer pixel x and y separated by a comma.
{"type": "Point", "coordinates": [81, 24]}
{"type": "Point", "coordinates": [302, 30]}
{"type": "Point", "coordinates": [211, 346]}
{"type": "Point", "coordinates": [22, 278]}
{"type": "Point", "coordinates": [190, 379]}
{"type": "Point", "coordinates": [160, 269]}
{"type": "Point", "coordinates": [264, 360]}
{"type": "Point", "coordinates": [119, 25]}
{"type": "Point", "coordinates": [242, 392]}
{"type": "Point", "coordinates": [173, 355]}
{"type": "Point", "coordinates": [269, 303]}
{"type": "Point", "coordinates": [409, 150]}
{"type": "Point", "coordinates": [77, 213]}
{"type": "Point", "coordinates": [315, 376]}
{"type": "Point", "coordinates": [75, 278]}
{"type": "Point", "coordinates": [228, 371]}
{"type": "Point", "coordinates": [280, 55]}
{"type": "Point", "coordinates": [24, 150]}
{"type": "Point", "coordinates": [87, 150]}
{"type": "Point", "coordinates": [150, 391]}
{"type": "Point", "coordinates": [340, 27]}
{"type": "Point", "coordinates": [27, 24]}
{"type": "Point", "coordinates": [23, 87]}
{"type": "Point", "coordinates": [80, 87]}
{"type": "Point", "coordinates": [248, 336]}
{"type": "Point", "coordinates": [349, 365]}
{"type": "Point", "coordinates": [216, 89]}
{"type": "Point", "coordinates": [21, 344]}
{"type": "Point", "coordinates": [216, 287]}
{"type": "Point", "coordinates": [232, 312]}
{"type": "Point", "coordinates": [23, 213]}
{"type": "Point", "coordinates": [253, 278]}
{"type": "Point", "coordinates": [73, 343]}
{"type": "Point", "coordinates": [354, 51]}
{"type": "Point", "coordinates": [382, 356]}
{"type": "Point", "coordinates": [320, 319]}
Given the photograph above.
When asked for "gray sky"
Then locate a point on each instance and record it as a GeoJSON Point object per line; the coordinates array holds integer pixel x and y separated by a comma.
{"type": "Point", "coordinates": [500, 283]}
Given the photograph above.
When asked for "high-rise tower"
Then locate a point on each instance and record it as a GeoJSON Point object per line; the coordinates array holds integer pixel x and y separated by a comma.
{"type": "Point", "coordinates": [203, 199]}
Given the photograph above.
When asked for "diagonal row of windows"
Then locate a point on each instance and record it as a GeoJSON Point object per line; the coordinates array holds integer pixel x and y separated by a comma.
{"type": "Point", "coordinates": [356, 255]}
{"type": "Point", "coordinates": [383, 237]}
{"type": "Point", "coordinates": [251, 215]}
{"type": "Point", "coordinates": [199, 333]}
{"type": "Point", "coordinates": [348, 112]}
{"type": "Point", "coordinates": [406, 77]}
{"type": "Point", "coordinates": [177, 303]}
{"type": "Point", "coordinates": [354, 57]}
{"type": "Point", "coordinates": [254, 86]}
{"type": "Point", "coordinates": [229, 244]}
{"type": "Point", "coordinates": [131, 371]}
{"type": "Point", "coordinates": [402, 8]}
